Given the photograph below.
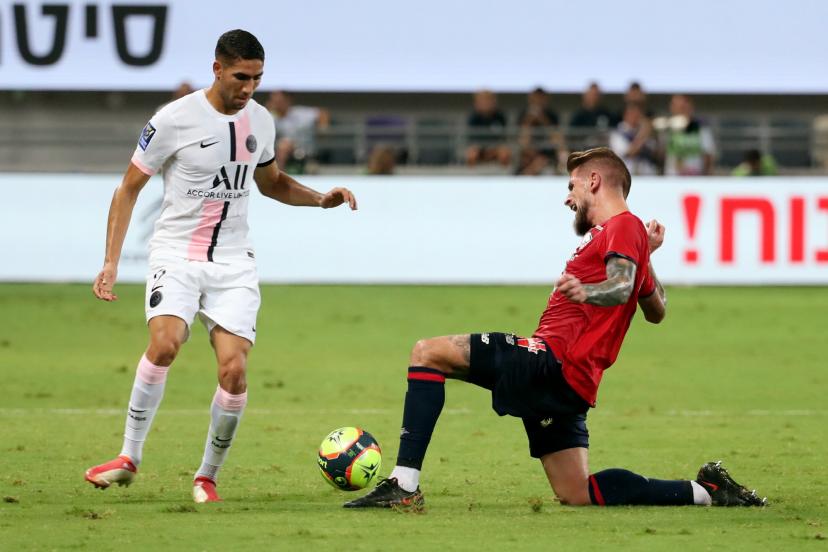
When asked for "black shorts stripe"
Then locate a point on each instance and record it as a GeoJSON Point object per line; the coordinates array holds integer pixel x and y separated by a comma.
{"type": "Point", "coordinates": [216, 229]}
{"type": "Point", "coordinates": [266, 163]}
{"type": "Point", "coordinates": [232, 141]}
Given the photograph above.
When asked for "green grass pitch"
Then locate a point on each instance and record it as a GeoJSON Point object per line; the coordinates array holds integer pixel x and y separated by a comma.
{"type": "Point", "coordinates": [737, 374]}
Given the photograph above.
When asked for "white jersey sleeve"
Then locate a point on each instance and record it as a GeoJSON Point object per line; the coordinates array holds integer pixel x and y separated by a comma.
{"type": "Point", "coordinates": [268, 154]}
{"type": "Point", "coordinates": [157, 143]}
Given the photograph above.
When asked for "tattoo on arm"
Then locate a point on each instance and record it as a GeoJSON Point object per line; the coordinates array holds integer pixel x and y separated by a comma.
{"type": "Point", "coordinates": [659, 287]}
{"type": "Point", "coordinates": [616, 289]}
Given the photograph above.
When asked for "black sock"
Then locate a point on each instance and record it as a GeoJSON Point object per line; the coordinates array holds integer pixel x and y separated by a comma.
{"type": "Point", "coordinates": [616, 487]}
{"type": "Point", "coordinates": [423, 403]}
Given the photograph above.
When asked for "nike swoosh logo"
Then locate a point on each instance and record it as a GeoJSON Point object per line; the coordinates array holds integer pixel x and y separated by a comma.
{"type": "Point", "coordinates": [712, 486]}
{"type": "Point", "coordinates": [219, 439]}
{"type": "Point", "coordinates": [203, 145]}
{"type": "Point", "coordinates": [156, 287]}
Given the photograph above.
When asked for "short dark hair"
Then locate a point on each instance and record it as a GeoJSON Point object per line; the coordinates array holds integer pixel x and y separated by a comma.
{"type": "Point", "coordinates": [608, 158]}
{"type": "Point", "coordinates": [238, 44]}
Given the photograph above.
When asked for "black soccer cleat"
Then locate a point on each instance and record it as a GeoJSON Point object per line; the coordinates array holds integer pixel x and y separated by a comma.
{"type": "Point", "coordinates": [388, 494]}
{"type": "Point", "coordinates": [723, 490]}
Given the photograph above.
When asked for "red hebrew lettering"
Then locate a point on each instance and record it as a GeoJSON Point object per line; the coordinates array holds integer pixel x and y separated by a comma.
{"type": "Point", "coordinates": [822, 254]}
{"type": "Point", "coordinates": [797, 249]}
{"type": "Point", "coordinates": [692, 206]}
{"type": "Point", "coordinates": [730, 206]}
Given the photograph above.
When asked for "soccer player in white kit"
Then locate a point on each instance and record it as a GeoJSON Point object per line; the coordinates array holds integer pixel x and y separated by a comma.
{"type": "Point", "coordinates": [208, 145]}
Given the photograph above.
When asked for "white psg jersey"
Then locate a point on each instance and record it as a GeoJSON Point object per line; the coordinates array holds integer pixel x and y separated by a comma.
{"type": "Point", "coordinates": [207, 160]}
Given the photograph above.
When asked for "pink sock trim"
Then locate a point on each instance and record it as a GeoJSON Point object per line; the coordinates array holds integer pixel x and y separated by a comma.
{"type": "Point", "coordinates": [150, 373]}
{"type": "Point", "coordinates": [228, 401]}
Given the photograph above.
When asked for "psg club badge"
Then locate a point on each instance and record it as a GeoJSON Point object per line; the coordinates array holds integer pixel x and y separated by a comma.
{"type": "Point", "coordinates": [155, 299]}
{"type": "Point", "coordinates": [250, 143]}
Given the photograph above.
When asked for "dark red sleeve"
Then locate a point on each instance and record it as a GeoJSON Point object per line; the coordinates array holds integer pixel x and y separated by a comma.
{"type": "Point", "coordinates": [626, 237]}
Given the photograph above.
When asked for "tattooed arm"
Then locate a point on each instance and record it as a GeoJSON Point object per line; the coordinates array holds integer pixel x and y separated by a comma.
{"type": "Point", "coordinates": [655, 304]}
{"type": "Point", "coordinates": [615, 290]}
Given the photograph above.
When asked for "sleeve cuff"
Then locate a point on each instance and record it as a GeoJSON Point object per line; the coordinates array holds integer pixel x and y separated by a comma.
{"type": "Point", "coordinates": [141, 167]}
{"type": "Point", "coordinates": [617, 254]}
{"type": "Point", "coordinates": [266, 163]}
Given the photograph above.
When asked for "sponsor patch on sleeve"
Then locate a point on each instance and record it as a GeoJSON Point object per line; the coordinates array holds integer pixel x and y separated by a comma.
{"type": "Point", "coordinates": [146, 136]}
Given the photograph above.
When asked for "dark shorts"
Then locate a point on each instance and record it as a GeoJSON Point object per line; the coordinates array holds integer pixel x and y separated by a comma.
{"type": "Point", "coordinates": [526, 381]}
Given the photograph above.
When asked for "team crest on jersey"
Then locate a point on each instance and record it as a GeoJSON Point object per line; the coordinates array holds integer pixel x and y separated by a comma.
{"type": "Point", "coordinates": [146, 136]}
{"type": "Point", "coordinates": [532, 344]}
{"type": "Point", "coordinates": [250, 143]}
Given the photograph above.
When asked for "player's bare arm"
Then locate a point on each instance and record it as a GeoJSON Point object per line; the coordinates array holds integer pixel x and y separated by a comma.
{"type": "Point", "coordinates": [654, 306]}
{"type": "Point", "coordinates": [615, 290]}
{"type": "Point", "coordinates": [120, 213]}
{"type": "Point", "coordinates": [278, 185]}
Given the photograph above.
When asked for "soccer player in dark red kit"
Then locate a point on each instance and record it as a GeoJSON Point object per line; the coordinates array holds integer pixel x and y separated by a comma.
{"type": "Point", "coordinates": [550, 380]}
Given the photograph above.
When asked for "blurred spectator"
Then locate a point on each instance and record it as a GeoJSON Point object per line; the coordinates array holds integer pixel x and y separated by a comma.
{"type": "Point", "coordinates": [296, 128]}
{"type": "Point", "coordinates": [635, 94]}
{"type": "Point", "coordinates": [541, 142]}
{"type": "Point", "coordinates": [382, 160]}
{"type": "Point", "coordinates": [756, 164]}
{"type": "Point", "coordinates": [688, 141]}
{"type": "Point", "coordinates": [183, 89]}
{"type": "Point", "coordinates": [819, 145]}
{"type": "Point", "coordinates": [487, 131]}
{"type": "Point", "coordinates": [634, 142]}
{"type": "Point", "coordinates": [592, 113]}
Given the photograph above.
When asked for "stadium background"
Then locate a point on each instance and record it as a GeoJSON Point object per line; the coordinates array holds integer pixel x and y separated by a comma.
{"type": "Point", "coordinates": [402, 77]}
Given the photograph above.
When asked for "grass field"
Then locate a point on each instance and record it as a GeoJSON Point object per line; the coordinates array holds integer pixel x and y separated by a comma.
{"type": "Point", "coordinates": [733, 374]}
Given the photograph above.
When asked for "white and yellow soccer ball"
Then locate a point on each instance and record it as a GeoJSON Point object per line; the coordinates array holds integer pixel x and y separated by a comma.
{"type": "Point", "coordinates": [349, 458]}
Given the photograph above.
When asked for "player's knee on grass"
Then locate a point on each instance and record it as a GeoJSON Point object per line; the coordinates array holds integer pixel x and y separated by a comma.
{"type": "Point", "coordinates": [572, 493]}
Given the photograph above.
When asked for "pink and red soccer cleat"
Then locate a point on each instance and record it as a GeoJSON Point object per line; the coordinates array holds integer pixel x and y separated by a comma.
{"type": "Point", "coordinates": [204, 490]}
{"type": "Point", "coordinates": [121, 471]}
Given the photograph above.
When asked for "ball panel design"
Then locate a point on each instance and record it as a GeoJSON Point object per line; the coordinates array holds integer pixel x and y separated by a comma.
{"type": "Point", "coordinates": [349, 458]}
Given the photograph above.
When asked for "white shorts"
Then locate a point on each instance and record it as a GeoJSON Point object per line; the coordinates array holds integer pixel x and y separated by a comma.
{"type": "Point", "coordinates": [225, 295]}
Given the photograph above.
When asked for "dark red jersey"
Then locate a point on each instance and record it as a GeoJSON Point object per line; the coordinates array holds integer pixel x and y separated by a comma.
{"type": "Point", "coordinates": [586, 338]}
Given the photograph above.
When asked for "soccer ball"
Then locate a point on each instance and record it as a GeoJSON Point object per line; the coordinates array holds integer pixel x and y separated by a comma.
{"type": "Point", "coordinates": [349, 458]}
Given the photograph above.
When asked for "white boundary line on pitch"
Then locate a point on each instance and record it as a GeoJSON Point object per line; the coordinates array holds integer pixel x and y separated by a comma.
{"type": "Point", "coordinates": [387, 411]}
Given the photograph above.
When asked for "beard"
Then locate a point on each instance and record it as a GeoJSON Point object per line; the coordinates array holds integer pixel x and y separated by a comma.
{"type": "Point", "coordinates": [582, 224]}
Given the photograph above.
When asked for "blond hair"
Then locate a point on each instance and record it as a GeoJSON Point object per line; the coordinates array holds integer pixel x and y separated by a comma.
{"type": "Point", "coordinates": [608, 159]}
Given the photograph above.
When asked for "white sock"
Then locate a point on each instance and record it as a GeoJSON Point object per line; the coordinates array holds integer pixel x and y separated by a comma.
{"type": "Point", "coordinates": [225, 415]}
{"type": "Point", "coordinates": [700, 495]}
{"type": "Point", "coordinates": [147, 392]}
{"type": "Point", "coordinates": [407, 478]}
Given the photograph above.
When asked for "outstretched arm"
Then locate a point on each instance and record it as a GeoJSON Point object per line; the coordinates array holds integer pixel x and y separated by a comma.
{"type": "Point", "coordinates": [277, 185]}
{"type": "Point", "coordinates": [120, 212]}
{"type": "Point", "coordinates": [615, 290]}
